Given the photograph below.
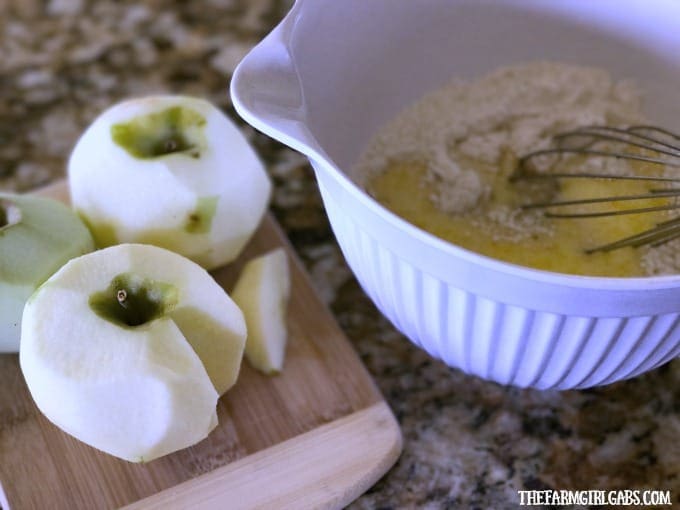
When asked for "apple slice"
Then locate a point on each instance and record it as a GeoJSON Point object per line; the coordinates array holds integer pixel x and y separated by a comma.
{"type": "Point", "coordinates": [172, 171]}
{"type": "Point", "coordinates": [128, 349]}
{"type": "Point", "coordinates": [262, 292]}
{"type": "Point", "coordinates": [37, 236]}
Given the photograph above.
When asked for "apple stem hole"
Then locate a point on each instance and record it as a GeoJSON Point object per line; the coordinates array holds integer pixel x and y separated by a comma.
{"type": "Point", "coordinates": [170, 146]}
{"type": "Point", "coordinates": [174, 130]}
{"type": "Point", "coordinates": [121, 296]}
{"type": "Point", "coordinates": [132, 300]}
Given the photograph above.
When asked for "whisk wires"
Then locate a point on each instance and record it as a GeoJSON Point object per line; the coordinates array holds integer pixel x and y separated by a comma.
{"type": "Point", "coordinates": [643, 143]}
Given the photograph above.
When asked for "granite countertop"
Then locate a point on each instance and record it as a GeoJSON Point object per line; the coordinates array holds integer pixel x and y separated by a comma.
{"type": "Point", "coordinates": [467, 443]}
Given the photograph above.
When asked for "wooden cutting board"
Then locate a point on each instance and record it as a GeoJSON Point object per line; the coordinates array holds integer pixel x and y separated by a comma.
{"type": "Point", "coordinates": [316, 436]}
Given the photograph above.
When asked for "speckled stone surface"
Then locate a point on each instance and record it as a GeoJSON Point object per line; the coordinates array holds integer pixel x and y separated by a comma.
{"type": "Point", "coordinates": [467, 443]}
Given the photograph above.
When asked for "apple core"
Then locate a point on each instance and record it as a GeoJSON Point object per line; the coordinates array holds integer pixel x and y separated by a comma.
{"type": "Point", "coordinates": [131, 300]}
{"type": "Point", "coordinates": [175, 130]}
{"type": "Point", "coordinates": [9, 214]}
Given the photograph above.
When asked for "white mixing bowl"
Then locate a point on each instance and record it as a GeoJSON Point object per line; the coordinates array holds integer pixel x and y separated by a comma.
{"type": "Point", "coordinates": [333, 72]}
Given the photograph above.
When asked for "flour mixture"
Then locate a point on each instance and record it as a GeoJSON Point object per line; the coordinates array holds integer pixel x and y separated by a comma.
{"type": "Point", "coordinates": [444, 163]}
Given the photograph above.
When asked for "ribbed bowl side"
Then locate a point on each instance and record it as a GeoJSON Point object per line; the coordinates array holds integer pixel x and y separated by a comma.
{"type": "Point", "coordinates": [379, 272]}
{"type": "Point", "coordinates": [496, 341]}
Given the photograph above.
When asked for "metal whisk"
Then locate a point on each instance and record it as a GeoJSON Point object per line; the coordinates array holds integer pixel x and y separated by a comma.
{"type": "Point", "coordinates": [648, 144]}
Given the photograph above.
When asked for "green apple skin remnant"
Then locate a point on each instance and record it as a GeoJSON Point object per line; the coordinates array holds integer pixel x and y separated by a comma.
{"type": "Point", "coordinates": [172, 171]}
{"type": "Point", "coordinates": [128, 349]}
{"type": "Point", "coordinates": [37, 236]}
{"type": "Point", "coordinates": [200, 220]}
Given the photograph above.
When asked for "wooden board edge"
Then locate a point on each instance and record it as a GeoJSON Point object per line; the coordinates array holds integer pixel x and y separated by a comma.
{"type": "Point", "coordinates": [325, 468]}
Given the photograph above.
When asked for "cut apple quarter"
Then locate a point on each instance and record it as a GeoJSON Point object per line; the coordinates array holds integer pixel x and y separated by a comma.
{"type": "Point", "coordinates": [128, 349]}
{"type": "Point", "coordinates": [262, 292]}
{"type": "Point", "coordinates": [37, 236]}
{"type": "Point", "coordinates": [172, 171]}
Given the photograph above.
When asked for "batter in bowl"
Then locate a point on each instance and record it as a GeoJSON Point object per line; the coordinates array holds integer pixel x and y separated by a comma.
{"type": "Point", "coordinates": [444, 165]}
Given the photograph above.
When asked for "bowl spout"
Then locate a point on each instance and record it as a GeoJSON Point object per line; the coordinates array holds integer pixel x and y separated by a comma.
{"type": "Point", "coordinates": [266, 89]}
